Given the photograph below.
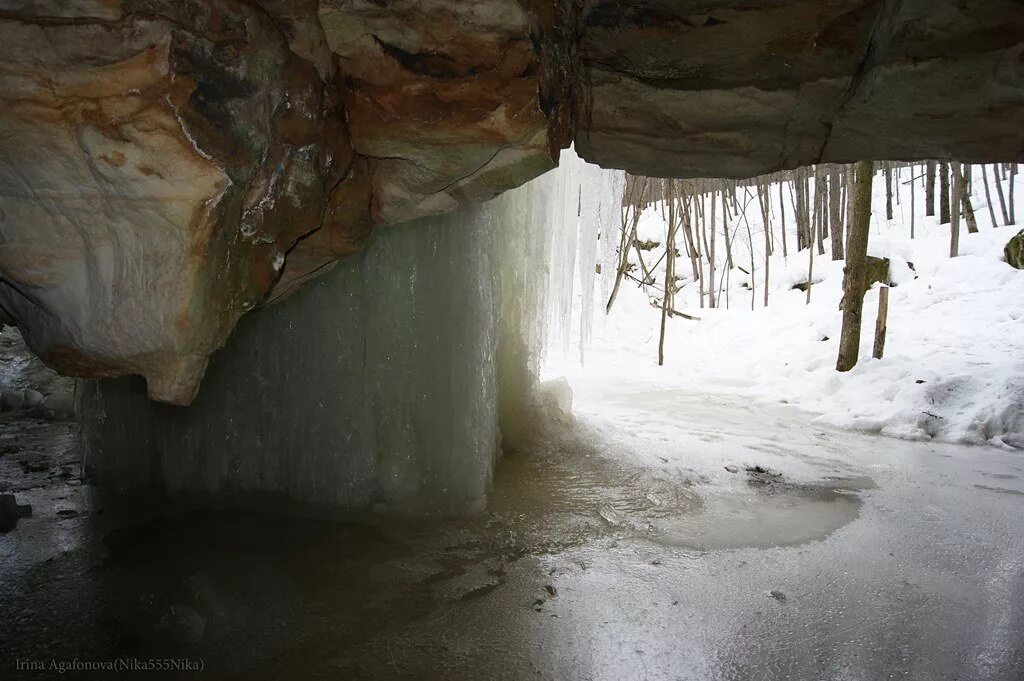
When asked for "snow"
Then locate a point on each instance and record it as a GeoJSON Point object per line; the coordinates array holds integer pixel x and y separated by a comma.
{"type": "Point", "coordinates": [953, 369]}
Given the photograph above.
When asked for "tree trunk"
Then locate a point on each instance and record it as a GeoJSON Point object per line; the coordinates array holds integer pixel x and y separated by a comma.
{"type": "Point", "coordinates": [943, 193]}
{"type": "Point", "coordinates": [912, 217]}
{"type": "Point", "coordinates": [761, 196]}
{"type": "Point", "coordinates": [929, 189]}
{"type": "Point", "coordinates": [845, 202]}
{"type": "Point", "coordinates": [800, 210]}
{"type": "Point", "coordinates": [627, 244]}
{"type": "Point", "coordinates": [881, 322]}
{"type": "Point", "coordinates": [821, 203]}
{"type": "Point", "coordinates": [726, 276]}
{"type": "Point", "coordinates": [888, 190]}
{"type": "Point", "coordinates": [854, 275]}
{"type": "Point", "coordinates": [954, 222]}
{"type": "Point", "coordinates": [848, 191]}
{"type": "Point", "coordinates": [999, 191]}
{"type": "Point", "coordinates": [636, 200]}
{"type": "Point", "coordinates": [965, 200]}
{"type": "Point", "coordinates": [753, 266]}
{"type": "Point", "coordinates": [763, 199]}
{"type": "Point", "coordinates": [691, 227]}
{"type": "Point", "coordinates": [1013, 178]}
{"type": "Point", "coordinates": [670, 283]}
{"type": "Point", "coordinates": [648, 275]}
{"type": "Point", "coordinates": [810, 267]}
{"type": "Point", "coordinates": [988, 196]}
{"type": "Point", "coordinates": [711, 257]}
{"type": "Point", "coordinates": [682, 215]}
{"type": "Point", "coordinates": [725, 224]}
{"type": "Point", "coordinates": [808, 209]}
{"type": "Point", "coordinates": [835, 229]}
{"type": "Point", "coordinates": [782, 219]}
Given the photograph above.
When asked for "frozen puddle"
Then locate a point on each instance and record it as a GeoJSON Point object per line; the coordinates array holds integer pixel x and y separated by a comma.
{"type": "Point", "coordinates": [778, 515]}
{"type": "Point", "coordinates": [567, 485]}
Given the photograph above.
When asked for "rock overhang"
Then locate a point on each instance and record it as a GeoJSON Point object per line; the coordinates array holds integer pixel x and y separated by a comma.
{"type": "Point", "coordinates": [168, 166]}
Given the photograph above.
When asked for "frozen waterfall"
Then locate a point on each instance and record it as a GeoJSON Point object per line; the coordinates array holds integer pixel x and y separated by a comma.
{"type": "Point", "coordinates": [383, 381]}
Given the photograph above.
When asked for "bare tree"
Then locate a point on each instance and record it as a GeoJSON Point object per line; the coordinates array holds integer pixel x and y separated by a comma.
{"type": "Point", "coordinates": [832, 206]}
{"type": "Point", "coordinates": [881, 322]}
{"type": "Point", "coordinates": [682, 215]}
{"type": "Point", "coordinates": [911, 202]}
{"type": "Point", "coordinates": [782, 219]}
{"type": "Point", "coordinates": [810, 268]}
{"type": "Point", "coordinates": [800, 210]}
{"type": "Point", "coordinates": [726, 276]}
{"type": "Point", "coordinates": [943, 193]}
{"type": "Point", "coordinates": [636, 193]}
{"type": "Point", "coordinates": [712, 302]}
{"type": "Point", "coordinates": [750, 242]}
{"type": "Point", "coordinates": [1013, 178]}
{"type": "Point", "coordinates": [835, 215]}
{"type": "Point", "coordinates": [766, 220]}
{"type": "Point", "coordinates": [688, 216]}
{"type": "Point", "coordinates": [823, 219]}
{"type": "Point", "coordinates": [999, 190]}
{"type": "Point", "coordinates": [988, 196]}
{"type": "Point", "coordinates": [851, 173]}
{"type": "Point", "coordinates": [854, 274]}
{"type": "Point", "coordinates": [954, 223]}
{"type": "Point", "coordinates": [728, 241]}
{"type": "Point", "coordinates": [670, 281]}
{"type": "Point", "coordinates": [887, 166]}
{"type": "Point", "coordinates": [648, 275]}
{"type": "Point", "coordinates": [964, 199]}
{"type": "Point", "coordinates": [929, 189]}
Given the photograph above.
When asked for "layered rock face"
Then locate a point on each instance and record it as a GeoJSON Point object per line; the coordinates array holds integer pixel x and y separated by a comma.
{"type": "Point", "coordinates": [444, 103]}
{"type": "Point", "coordinates": [168, 165]}
{"type": "Point", "coordinates": [157, 161]}
{"type": "Point", "coordinates": [445, 106]}
{"type": "Point", "coordinates": [726, 88]}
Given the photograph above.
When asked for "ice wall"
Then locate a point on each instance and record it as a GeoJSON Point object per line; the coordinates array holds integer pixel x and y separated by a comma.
{"type": "Point", "coordinates": [548, 233]}
{"type": "Point", "coordinates": [384, 380]}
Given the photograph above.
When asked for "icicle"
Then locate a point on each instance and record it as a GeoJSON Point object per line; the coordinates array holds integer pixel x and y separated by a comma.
{"type": "Point", "coordinates": [601, 206]}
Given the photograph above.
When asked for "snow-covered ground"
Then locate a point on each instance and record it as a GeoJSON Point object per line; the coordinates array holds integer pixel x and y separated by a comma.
{"type": "Point", "coordinates": [954, 358]}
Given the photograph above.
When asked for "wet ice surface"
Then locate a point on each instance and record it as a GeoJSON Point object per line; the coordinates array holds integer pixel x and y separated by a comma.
{"type": "Point", "coordinates": [637, 546]}
{"type": "Point", "coordinates": [917, 569]}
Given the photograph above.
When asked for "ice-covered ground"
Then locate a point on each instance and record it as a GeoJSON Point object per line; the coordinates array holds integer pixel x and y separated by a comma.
{"type": "Point", "coordinates": [953, 369]}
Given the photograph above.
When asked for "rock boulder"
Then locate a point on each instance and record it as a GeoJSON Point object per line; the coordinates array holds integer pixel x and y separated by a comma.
{"type": "Point", "coordinates": [1014, 251]}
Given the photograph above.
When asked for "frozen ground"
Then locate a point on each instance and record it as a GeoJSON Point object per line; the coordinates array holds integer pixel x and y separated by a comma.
{"type": "Point", "coordinates": [954, 364]}
{"type": "Point", "coordinates": [736, 541]}
{"type": "Point", "coordinates": [665, 534]}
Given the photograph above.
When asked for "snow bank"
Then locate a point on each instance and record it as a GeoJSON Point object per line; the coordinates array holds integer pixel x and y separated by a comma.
{"type": "Point", "coordinates": [954, 364]}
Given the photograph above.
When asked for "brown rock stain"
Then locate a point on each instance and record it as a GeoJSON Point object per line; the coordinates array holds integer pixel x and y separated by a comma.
{"type": "Point", "coordinates": [114, 158]}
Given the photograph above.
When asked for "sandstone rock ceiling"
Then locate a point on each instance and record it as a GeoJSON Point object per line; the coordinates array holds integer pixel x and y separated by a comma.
{"type": "Point", "coordinates": [168, 165]}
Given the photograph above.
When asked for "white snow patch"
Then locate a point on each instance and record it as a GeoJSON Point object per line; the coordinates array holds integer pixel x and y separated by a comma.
{"type": "Point", "coordinates": [954, 363]}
